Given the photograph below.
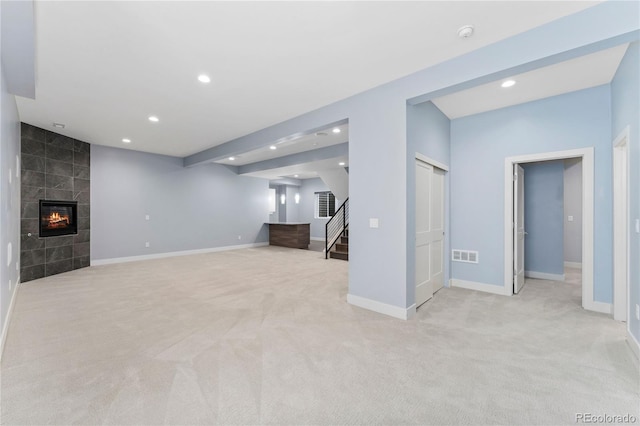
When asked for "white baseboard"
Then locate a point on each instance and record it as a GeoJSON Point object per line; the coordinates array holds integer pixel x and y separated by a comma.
{"type": "Point", "coordinates": [601, 307]}
{"type": "Point", "coordinates": [316, 239]}
{"type": "Point", "coordinates": [382, 308]}
{"type": "Point", "coordinates": [472, 285]}
{"type": "Point", "coordinates": [572, 264]}
{"type": "Point", "coordinates": [7, 320]}
{"type": "Point", "coordinates": [97, 262]}
{"type": "Point", "coordinates": [634, 345]}
{"type": "Point", "coordinates": [544, 276]}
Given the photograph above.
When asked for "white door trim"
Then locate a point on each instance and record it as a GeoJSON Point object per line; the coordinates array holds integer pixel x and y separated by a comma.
{"type": "Point", "coordinates": [621, 226]}
{"type": "Point", "coordinates": [587, 220]}
{"type": "Point", "coordinates": [431, 161]}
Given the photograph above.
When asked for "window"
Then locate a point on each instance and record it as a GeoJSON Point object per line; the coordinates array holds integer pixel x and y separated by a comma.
{"type": "Point", "coordinates": [325, 205]}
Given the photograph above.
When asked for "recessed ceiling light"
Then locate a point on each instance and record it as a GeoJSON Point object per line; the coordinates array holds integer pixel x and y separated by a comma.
{"type": "Point", "coordinates": [336, 130]}
{"type": "Point", "coordinates": [232, 158]}
{"type": "Point", "coordinates": [295, 175]}
{"type": "Point", "coordinates": [508, 83]}
{"type": "Point", "coordinates": [203, 78]}
{"type": "Point", "coordinates": [272, 147]}
{"type": "Point", "coordinates": [126, 140]}
{"type": "Point", "coordinates": [58, 125]}
{"type": "Point", "coordinates": [153, 118]}
{"type": "Point", "coordinates": [341, 163]}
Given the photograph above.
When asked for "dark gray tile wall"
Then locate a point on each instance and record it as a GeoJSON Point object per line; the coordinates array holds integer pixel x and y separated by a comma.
{"type": "Point", "coordinates": [54, 167]}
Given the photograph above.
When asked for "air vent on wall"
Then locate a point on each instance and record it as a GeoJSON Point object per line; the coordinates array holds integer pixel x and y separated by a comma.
{"type": "Point", "coordinates": [466, 256]}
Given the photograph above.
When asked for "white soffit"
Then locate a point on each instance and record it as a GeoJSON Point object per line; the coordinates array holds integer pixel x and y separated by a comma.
{"type": "Point", "coordinates": [103, 67]}
{"type": "Point", "coordinates": [576, 74]}
{"type": "Point", "coordinates": [304, 171]}
{"type": "Point", "coordinates": [290, 146]}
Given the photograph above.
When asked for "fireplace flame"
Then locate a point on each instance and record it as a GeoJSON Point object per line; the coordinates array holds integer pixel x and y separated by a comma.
{"type": "Point", "coordinates": [56, 220]}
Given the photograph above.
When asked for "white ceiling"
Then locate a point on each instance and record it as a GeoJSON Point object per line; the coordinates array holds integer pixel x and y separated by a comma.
{"type": "Point", "coordinates": [103, 67]}
{"type": "Point", "coordinates": [576, 74]}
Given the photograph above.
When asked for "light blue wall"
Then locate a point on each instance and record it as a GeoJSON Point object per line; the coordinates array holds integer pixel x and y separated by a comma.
{"type": "Point", "coordinates": [625, 105]}
{"type": "Point", "coordinates": [293, 209]}
{"type": "Point", "coordinates": [428, 133]}
{"type": "Point", "coordinates": [190, 208]}
{"type": "Point", "coordinates": [479, 145]}
{"type": "Point", "coordinates": [307, 206]}
{"type": "Point", "coordinates": [9, 198]}
{"type": "Point", "coordinates": [378, 137]}
{"type": "Point", "coordinates": [543, 217]}
{"type": "Point", "coordinates": [573, 207]}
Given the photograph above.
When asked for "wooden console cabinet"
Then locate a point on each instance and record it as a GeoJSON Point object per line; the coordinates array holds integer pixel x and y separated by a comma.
{"type": "Point", "coordinates": [294, 235]}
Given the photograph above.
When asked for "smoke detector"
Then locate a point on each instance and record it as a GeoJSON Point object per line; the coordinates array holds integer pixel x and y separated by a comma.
{"type": "Point", "coordinates": [466, 31]}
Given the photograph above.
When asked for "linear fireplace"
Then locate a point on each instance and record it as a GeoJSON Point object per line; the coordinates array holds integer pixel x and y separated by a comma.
{"type": "Point", "coordinates": [58, 218]}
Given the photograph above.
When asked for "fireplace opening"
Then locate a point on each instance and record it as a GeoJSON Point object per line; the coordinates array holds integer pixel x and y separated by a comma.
{"type": "Point", "coordinates": [58, 218]}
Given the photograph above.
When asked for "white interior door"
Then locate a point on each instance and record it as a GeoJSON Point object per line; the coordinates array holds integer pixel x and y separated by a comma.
{"type": "Point", "coordinates": [429, 231]}
{"type": "Point", "coordinates": [518, 228]}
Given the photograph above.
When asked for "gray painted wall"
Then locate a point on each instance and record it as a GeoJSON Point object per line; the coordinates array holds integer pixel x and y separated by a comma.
{"type": "Point", "coordinates": [200, 207]}
{"type": "Point", "coordinates": [543, 213]}
{"type": "Point", "coordinates": [307, 206]}
{"type": "Point", "coordinates": [290, 203]}
{"type": "Point", "coordinates": [428, 133]}
{"type": "Point", "coordinates": [573, 207]}
{"type": "Point", "coordinates": [625, 111]}
{"type": "Point", "coordinates": [9, 199]}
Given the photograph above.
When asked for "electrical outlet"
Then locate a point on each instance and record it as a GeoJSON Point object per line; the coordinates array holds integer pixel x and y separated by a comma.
{"type": "Point", "coordinates": [146, 244]}
{"type": "Point", "coordinates": [239, 237]}
{"type": "Point", "coordinates": [570, 219]}
{"type": "Point", "coordinates": [637, 312]}
{"type": "Point", "coordinates": [146, 217]}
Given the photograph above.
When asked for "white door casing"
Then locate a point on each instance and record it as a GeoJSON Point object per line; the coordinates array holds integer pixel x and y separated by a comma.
{"type": "Point", "coordinates": [588, 248]}
{"type": "Point", "coordinates": [429, 269]}
{"type": "Point", "coordinates": [620, 227]}
{"type": "Point", "coordinates": [518, 228]}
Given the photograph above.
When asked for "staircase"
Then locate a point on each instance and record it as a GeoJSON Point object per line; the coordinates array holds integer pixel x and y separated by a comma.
{"type": "Point", "coordinates": [341, 249]}
{"type": "Point", "coordinates": [336, 231]}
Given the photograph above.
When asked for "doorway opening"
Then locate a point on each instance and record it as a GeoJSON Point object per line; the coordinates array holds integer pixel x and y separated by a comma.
{"type": "Point", "coordinates": [548, 225]}
{"type": "Point", "coordinates": [587, 157]}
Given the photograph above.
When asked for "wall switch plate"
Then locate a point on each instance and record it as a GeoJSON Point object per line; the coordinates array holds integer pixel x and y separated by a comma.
{"type": "Point", "coordinates": [637, 226]}
{"type": "Point", "coordinates": [373, 222]}
{"type": "Point", "coordinates": [146, 244]}
{"type": "Point", "coordinates": [146, 217]}
{"type": "Point", "coordinates": [570, 218]}
{"type": "Point", "coordinates": [239, 237]}
{"type": "Point", "coordinates": [637, 312]}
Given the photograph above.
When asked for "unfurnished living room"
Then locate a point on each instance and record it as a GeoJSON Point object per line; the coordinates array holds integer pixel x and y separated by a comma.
{"type": "Point", "coordinates": [322, 213]}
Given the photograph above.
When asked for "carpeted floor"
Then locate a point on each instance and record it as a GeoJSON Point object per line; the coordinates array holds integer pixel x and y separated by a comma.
{"type": "Point", "coordinates": [264, 336]}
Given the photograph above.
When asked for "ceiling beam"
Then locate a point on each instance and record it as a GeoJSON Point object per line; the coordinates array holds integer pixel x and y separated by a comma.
{"type": "Point", "coordinates": [320, 154]}
{"type": "Point", "coordinates": [18, 47]}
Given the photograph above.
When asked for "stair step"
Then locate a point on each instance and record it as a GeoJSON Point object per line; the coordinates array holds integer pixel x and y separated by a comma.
{"type": "Point", "coordinates": [344, 240]}
{"type": "Point", "coordinates": [339, 255]}
{"type": "Point", "coordinates": [342, 247]}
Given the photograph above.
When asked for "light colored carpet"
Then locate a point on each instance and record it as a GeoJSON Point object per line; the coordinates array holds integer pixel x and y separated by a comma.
{"type": "Point", "coordinates": [264, 336]}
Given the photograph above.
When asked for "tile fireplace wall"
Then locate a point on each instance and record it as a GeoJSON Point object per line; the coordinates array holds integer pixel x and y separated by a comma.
{"type": "Point", "coordinates": [54, 167]}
